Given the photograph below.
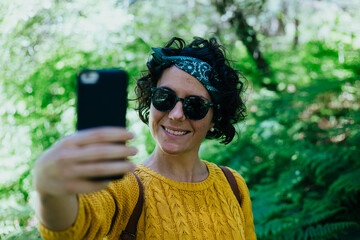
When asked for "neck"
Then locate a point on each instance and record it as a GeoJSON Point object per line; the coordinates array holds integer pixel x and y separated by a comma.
{"type": "Point", "coordinates": [182, 168]}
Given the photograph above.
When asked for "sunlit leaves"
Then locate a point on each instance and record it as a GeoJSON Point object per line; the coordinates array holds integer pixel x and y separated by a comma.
{"type": "Point", "coordinates": [298, 149]}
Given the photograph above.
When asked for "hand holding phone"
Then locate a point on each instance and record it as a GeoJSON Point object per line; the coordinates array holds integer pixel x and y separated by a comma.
{"type": "Point", "coordinates": [102, 101]}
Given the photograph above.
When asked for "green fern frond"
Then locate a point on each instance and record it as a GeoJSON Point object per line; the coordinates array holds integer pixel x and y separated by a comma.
{"type": "Point", "coordinates": [349, 182]}
{"type": "Point", "coordinates": [320, 214]}
{"type": "Point", "coordinates": [275, 227]}
{"type": "Point", "coordinates": [328, 230]}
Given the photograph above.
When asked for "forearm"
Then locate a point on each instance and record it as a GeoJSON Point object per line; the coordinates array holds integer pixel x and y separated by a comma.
{"type": "Point", "coordinates": [57, 212]}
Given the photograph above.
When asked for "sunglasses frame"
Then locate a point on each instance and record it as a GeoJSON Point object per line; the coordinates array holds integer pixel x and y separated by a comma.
{"type": "Point", "coordinates": [207, 103]}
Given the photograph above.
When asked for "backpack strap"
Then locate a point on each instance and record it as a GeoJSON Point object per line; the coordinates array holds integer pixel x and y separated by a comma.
{"type": "Point", "coordinates": [130, 231]}
{"type": "Point", "coordinates": [232, 181]}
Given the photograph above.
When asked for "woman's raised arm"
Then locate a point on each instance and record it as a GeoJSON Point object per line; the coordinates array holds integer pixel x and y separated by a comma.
{"type": "Point", "coordinates": [63, 171]}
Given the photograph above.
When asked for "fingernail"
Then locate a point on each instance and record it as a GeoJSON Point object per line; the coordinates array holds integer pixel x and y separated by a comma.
{"type": "Point", "coordinates": [131, 135]}
{"type": "Point", "coordinates": [134, 150]}
{"type": "Point", "coordinates": [132, 166]}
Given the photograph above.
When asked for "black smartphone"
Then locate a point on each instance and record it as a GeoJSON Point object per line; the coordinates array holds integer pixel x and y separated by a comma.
{"type": "Point", "coordinates": [102, 101]}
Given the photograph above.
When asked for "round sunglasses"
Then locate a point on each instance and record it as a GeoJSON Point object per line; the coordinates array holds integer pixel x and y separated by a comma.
{"type": "Point", "coordinates": [194, 107]}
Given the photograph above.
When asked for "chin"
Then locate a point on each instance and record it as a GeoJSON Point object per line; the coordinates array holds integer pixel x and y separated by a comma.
{"type": "Point", "coordinates": [172, 149]}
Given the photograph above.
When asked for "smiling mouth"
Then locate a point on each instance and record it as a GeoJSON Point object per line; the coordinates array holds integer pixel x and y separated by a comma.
{"type": "Point", "coordinates": [177, 133]}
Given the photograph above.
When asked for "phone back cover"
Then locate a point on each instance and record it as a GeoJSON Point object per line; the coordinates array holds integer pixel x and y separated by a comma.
{"type": "Point", "coordinates": [104, 102]}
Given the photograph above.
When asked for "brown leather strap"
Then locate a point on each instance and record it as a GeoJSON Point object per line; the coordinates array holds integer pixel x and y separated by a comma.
{"type": "Point", "coordinates": [130, 231]}
{"type": "Point", "coordinates": [231, 179]}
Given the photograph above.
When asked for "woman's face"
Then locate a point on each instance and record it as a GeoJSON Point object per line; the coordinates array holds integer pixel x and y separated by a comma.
{"type": "Point", "coordinates": [173, 132]}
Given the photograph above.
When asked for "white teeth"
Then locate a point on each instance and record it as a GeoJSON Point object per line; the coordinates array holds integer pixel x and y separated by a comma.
{"type": "Point", "coordinates": [175, 132]}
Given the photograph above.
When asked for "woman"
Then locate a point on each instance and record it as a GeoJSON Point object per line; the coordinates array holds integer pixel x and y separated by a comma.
{"type": "Point", "coordinates": [189, 93]}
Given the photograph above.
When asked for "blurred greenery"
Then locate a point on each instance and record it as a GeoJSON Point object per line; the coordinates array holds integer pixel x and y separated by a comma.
{"type": "Point", "coordinates": [298, 149]}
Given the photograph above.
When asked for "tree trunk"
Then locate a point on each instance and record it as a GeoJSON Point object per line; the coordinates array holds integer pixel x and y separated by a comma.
{"type": "Point", "coordinates": [247, 35]}
{"type": "Point", "coordinates": [296, 36]}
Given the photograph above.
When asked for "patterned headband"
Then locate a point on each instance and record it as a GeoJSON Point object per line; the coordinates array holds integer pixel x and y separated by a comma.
{"type": "Point", "coordinates": [199, 69]}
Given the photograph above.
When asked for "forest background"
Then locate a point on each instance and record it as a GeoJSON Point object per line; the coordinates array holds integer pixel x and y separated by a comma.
{"type": "Point", "coordinates": [298, 148]}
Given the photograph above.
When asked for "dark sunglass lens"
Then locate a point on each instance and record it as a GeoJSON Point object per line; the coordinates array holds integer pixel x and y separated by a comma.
{"type": "Point", "coordinates": [195, 108]}
{"type": "Point", "coordinates": [163, 99]}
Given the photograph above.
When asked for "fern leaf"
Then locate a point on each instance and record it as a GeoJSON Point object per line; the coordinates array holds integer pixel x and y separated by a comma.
{"type": "Point", "coordinates": [328, 230]}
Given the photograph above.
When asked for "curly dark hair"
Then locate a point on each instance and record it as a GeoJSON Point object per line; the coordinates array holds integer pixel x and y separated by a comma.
{"type": "Point", "coordinates": [232, 107]}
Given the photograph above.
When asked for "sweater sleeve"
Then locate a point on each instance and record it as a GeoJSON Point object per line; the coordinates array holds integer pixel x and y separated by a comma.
{"type": "Point", "coordinates": [246, 206]}
{"type": "Point", "coordinates": [98, 212]}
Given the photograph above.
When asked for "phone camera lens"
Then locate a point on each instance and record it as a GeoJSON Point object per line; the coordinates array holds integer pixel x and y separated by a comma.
{"type": "Point", "coordinates": [89, 77]}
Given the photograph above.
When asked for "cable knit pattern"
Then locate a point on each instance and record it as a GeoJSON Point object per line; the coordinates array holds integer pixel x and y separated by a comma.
{"type": "Point", "coordinates": [172, 210]}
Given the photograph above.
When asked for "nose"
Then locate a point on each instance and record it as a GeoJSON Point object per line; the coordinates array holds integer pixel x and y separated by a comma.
{"type": "Point", "coordinates": [177, 112]}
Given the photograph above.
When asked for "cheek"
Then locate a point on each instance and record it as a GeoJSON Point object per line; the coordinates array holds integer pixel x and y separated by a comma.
{"type": "Point", "coordinates": [208, 120]}
{"type": "Point", "coordinates": [203, 126]}
{"type": "Point", "coordinates": [154, 118]}
{"type": "Point", "coordinates": [151, 117]}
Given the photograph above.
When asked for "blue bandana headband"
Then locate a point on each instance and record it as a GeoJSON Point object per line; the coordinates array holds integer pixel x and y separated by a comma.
{"type": "Point", "coordinates": [197, 68]}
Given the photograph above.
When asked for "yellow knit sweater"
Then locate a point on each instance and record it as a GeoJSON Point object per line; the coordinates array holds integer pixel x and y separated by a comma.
{"type": "Point", "coordinates": [172, 209]}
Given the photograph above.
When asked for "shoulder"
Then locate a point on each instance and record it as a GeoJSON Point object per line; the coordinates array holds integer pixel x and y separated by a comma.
{"type": "Point", "coordinates": [239, 179]}
{"type": "Point", "coordinates": [241, 183]}
{"type": "Point", "coordinates": [245, 201]}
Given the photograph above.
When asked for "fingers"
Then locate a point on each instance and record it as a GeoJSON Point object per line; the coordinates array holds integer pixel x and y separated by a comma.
{"type": "Point", "coordinates": [93, 161]}
{"type": "Point", "coordinates": [102, 169]}
{"type": "Point", "coordinates": [96, 152]}
{"type": "Point", "coordinates": [77, 179]}
{"type": "Point", "coordinates": [97, 135]}
{"type": "Point", "coordinates": [67, 166]}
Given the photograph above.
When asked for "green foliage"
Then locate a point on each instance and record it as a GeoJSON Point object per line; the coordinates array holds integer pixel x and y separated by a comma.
{"type": "Point", "coordinates": [298, 149]}
{"type": "Point", "coordinates": [299, 153]}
